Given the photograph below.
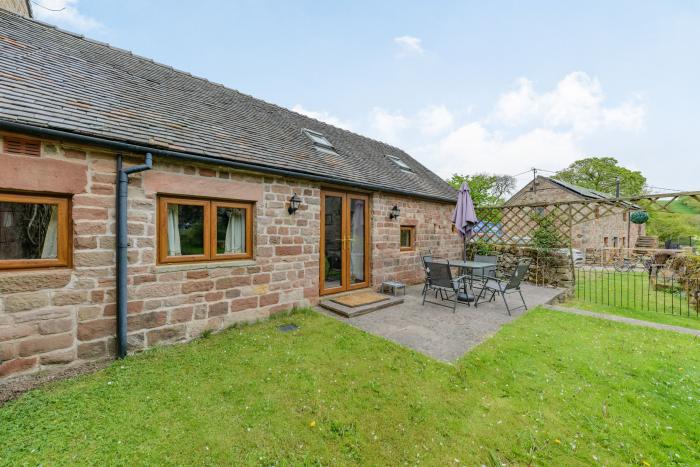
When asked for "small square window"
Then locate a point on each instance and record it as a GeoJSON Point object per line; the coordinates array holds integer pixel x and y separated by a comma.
{"type": "Point", "coordinates": [408, 237]}
{"type": "Point", "coordinates": [402, 165]}
{"type": "Point", "coordinates": [318, 139]}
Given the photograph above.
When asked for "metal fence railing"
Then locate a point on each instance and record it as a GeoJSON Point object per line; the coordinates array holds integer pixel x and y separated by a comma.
{"type": "Point", "coordinates": [639, 284]}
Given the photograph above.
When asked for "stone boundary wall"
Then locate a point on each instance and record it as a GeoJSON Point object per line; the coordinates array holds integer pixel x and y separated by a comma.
{"type": "Point", "coordinates": [552, 268]}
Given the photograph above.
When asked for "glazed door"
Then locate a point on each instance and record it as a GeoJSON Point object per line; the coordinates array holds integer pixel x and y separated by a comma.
{"type": "Point", "coordinates": [344, 242]}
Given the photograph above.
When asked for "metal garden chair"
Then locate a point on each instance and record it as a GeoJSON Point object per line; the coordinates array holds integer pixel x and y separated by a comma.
{"type": "Point", "coordinates": [507, 286]}
{"type": "Point", "coordinates": [452, 289]}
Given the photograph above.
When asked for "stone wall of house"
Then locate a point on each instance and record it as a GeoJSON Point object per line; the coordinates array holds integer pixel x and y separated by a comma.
{"type": "Point", "coordinates": [432, 221]}
{"type": "Point", "coordinates": [64, 316]}
{"type": "Point", "coordinates": [20, 7]}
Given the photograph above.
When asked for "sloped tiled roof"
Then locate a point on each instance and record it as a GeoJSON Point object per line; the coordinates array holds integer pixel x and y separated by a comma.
{"type": "Point", "coordinates": [585, 192]}
{"type": "Point", "coordinates": [54, 79]}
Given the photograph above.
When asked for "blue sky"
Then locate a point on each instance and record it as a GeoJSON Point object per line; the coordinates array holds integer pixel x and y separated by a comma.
{"type": "Point", "coordinates": [463, 86]}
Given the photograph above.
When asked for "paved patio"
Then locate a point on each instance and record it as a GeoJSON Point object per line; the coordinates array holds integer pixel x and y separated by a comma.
{"type": "Point", "coordinates": [436, 331]}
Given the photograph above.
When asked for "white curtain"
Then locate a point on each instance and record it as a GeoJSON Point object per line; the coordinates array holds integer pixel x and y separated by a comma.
{"type": "Point", "coordinates": [173, 231]}
{"type": "Point", "coordinates": [8, 219]}
{"type": "Point", "coordinates": [50, 248]}
{"type": "Point", "coordinates": [235, 232]}
{"type": "Point", "coordinates": [357, 243]}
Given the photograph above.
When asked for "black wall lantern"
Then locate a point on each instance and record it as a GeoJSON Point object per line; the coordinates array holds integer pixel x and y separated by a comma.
{"type": "Point", "coordinates": [294, 203]}
{"type": "Point", "coordinates": [394, 213]}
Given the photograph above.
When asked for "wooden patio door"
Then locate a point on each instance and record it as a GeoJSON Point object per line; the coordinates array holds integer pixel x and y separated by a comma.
{"type": "Point", "coordinates": [344, 241]}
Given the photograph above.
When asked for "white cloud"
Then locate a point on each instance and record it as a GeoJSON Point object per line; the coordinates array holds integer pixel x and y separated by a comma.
{"type": "Point", "coordinates": [323, 116]}
{"type": "Point", "coordinates": [409, 45]}
{"type": "Point", "coordinates": [398, 128]}
{"type": "Point", "coordinates": [474, 148]}
{"type": "Point", "coordinates": [576, 104]}
{"type": "Point", "coordinates": [435, 119]}
{"type": "Point", "coordinates": [388, 126]}
{"type": "Point", "coordinates": [65, 14]}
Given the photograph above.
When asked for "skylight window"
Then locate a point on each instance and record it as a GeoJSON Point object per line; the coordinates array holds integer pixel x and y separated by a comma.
{"type": "Point", "coordinates": [318, 139]}
{"type": "Point", "coordinates": [402, 165]}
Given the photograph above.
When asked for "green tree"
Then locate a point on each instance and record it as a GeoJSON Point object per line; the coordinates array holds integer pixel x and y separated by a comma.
{"type": "Point", "coordinates": [485, 189]}
{"type": "Point", "coordinates": [600, 173]}
{"type": "Point", "coordinates": [672, 225]}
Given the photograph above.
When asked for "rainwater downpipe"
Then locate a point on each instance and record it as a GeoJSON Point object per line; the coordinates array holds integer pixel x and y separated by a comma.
{"type": "Point", "coordinates": [123, 245]}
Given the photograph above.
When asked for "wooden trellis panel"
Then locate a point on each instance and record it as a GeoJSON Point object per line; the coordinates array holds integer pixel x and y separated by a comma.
{"type": "Point", "coordinates": [517, 224]}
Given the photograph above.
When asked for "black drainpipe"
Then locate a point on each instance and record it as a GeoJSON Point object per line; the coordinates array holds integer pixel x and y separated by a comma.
{"type": "Point", "coordinates": [123, 245]}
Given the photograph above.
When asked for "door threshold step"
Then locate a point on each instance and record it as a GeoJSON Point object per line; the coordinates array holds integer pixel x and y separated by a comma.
{"type": "Point", "coordinates": [352, 312]}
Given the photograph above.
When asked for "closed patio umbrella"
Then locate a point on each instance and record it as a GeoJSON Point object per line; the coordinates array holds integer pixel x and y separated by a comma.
{"type": "Point", "coordinates": [464, 216]}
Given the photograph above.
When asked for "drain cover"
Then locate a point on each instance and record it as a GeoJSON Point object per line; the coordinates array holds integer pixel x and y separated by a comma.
{"type": "Point", "coordinates": [288, 327]}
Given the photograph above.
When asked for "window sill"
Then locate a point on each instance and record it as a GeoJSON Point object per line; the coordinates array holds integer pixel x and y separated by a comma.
{"type": "Point", "coordinates": [236, 263]}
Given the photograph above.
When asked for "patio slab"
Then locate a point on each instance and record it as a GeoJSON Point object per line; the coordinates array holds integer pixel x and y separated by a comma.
{"type": "Point", "coordinates": [438, 332]}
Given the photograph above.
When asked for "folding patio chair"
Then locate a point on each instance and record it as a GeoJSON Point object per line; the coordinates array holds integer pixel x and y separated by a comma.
{"type": "Point", "coordinates": [504, 287]}
{"type": "Point", "coordinates": [452, 289]}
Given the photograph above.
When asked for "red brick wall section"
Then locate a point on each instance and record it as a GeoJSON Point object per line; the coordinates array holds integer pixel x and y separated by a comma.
{"type": "Point", "coordinates": [433, 223]}
{"type": "Point", "coordinates": [52, 317]}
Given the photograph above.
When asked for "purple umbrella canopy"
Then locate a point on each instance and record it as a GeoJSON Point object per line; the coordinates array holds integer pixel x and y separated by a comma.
{"type": "Point", "coordinates": [464, 216]}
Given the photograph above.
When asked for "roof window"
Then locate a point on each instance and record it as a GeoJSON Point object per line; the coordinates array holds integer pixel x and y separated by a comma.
{"type": "Point", "coordinates": [402, 165]}
{"type": "Point", "coordinates": [318, 139]}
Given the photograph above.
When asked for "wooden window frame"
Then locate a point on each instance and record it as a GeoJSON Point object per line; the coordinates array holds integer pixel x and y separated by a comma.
{"type": "Point", "coordinates": [248, 253]}
{"type": "Point", "coordinates": [209, 231]}
{"type": "Point", "coordinates": [63, 248]}
{"type": "Point", "coordinates": [412, 230]}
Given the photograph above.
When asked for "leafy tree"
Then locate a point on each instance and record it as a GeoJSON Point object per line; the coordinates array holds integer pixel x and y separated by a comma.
{"type": "Point", "coordinates": [486, 189]}
{"type": "Point", "coordinates": [546, 236]}
{"type": "Point", "coordinates": [600, 173]}
{"type": "Point", "coordinates": [672, 225]}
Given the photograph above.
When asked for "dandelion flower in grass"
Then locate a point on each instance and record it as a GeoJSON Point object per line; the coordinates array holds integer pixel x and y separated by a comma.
{"type": "Point", "coordinates": [312, 423]}
{"type": "Point", "coordinates": [557, 441]}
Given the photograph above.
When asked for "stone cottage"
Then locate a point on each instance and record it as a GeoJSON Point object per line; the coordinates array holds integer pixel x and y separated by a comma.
{"type": "Point", "coordinates": [611, 229]}
{"type": "Point", "coordinates": [141, 205]}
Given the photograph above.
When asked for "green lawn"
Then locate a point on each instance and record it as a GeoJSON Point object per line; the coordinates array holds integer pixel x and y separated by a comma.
{"type": "Point", "coordinates": [692, 321]}
{"type": "Point", "coordinates": [549, 388]}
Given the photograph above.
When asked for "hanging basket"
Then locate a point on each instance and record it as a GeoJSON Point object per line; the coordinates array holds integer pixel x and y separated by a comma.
{"type": "Point", "coordinates": [639, 217]}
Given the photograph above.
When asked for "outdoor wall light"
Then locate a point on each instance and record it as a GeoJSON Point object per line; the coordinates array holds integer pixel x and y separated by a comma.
{"type": "Point", "coordinates": [294, 203]}
{"type": "Point", "coordinates": [394, 213]}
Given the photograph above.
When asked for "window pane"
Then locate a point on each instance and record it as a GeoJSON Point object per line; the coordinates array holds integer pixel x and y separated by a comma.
{"type": "Point", "coordinates": [230, 230]}
{"type": "Point", "coordinates": [357, 241]}
{"type": "Point", "coordinates": [405, 238]}
{"type": "Point", "coordinates": [333, 242]}
{"type": "Point", "coordinates": [185, 230]}
{"type": "Point", "coordinates": [28, 231]}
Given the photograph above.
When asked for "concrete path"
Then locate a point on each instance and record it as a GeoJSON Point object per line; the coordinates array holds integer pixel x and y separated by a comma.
{"type": "Point", "coordinates": [622, 319]}
{"type": "Point", "coordinates": [438, 332]}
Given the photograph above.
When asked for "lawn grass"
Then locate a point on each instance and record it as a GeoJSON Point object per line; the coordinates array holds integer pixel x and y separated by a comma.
{"type": "Point", "coordinates": [549, 388]}
{"type": "Point", "coordinates": [691, 321]}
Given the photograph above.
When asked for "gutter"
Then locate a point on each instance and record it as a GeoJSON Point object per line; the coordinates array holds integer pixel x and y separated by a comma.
{"type": "Point", "coordinates": [137, 148]}
{"type": "Point", "coordinates": [123, 246]}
